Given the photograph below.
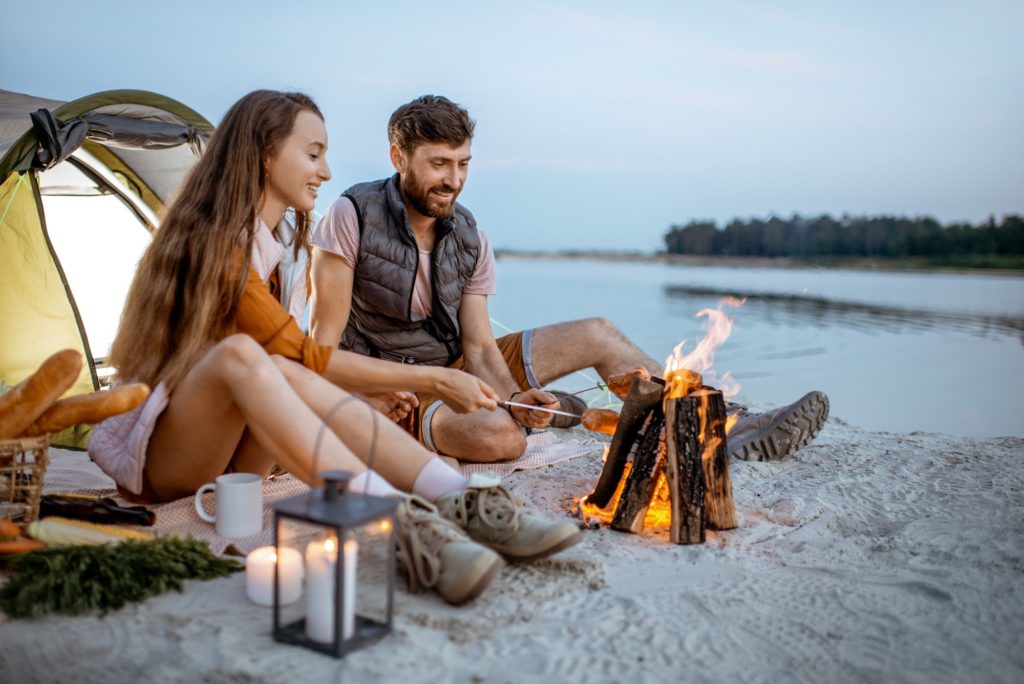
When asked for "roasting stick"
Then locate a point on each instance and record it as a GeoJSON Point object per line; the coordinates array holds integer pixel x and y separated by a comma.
{"type": "Point", "coordinates": [533, 407]}
{"type": "Point", "coordinates": [599, 386]}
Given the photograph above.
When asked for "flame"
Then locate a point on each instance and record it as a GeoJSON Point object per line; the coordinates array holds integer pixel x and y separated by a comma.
{"type": "Point", "coordinates": [330, 545]}
{"type": "Point", "coordinates": [659, 512]}
{"type": "Point", "coordinates": [589, 512]}
{"type": "Point", "coordinates": [683, 371]}
{"type": "Point", "coordinates": [730, 421]}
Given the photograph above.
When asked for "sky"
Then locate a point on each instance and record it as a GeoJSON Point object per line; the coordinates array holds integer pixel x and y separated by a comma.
{"type": "Point", "coordinates": [599, 124]}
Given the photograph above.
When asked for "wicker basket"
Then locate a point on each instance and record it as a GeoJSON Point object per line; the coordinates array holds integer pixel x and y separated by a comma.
{"type": "Point", "coordinates": [22, 466]}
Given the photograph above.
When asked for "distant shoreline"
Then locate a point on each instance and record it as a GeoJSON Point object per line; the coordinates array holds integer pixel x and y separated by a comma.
{"type": "Point", "coordinates": [920, 265]}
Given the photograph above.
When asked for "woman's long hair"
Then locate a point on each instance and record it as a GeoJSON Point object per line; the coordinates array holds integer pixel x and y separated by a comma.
{"type": "Point", "coordinates": [191, 277]}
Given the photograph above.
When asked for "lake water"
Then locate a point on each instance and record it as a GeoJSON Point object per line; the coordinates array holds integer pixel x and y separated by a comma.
{"type": "Point", "coordinates": [934, 352]}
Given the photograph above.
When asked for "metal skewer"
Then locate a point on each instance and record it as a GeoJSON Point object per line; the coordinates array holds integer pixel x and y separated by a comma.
{"type": "Point", "coordinates": [600, 386]}
{"type": "Point", "coordinates": [533, 407]}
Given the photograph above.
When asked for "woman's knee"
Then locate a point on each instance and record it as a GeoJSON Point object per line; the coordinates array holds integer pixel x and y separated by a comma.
{"type": "Point", "coordinates": [288, 368]}
{"type": "Point", "coordinates": [240, 357]}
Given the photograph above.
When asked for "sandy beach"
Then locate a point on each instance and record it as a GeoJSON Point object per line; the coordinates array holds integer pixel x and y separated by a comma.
{"type": "Point", "coordinates": [867, 557]}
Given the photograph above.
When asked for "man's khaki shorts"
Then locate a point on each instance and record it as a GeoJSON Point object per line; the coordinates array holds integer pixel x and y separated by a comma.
{"type": "Point", "coordinates": [516, 348]}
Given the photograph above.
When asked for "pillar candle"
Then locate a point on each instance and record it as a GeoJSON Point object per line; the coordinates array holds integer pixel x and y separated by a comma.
{"type": "Point", "coordinates": [259, 575]}
{"type": "Point", "coordinates": [321, 558]}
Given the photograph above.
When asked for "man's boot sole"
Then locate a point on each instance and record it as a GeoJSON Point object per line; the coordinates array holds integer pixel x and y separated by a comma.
{"type": "Point", "coordinates": [790, 432]}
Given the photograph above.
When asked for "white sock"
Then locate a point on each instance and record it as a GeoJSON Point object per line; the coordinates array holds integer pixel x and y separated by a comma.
{"type": "Point", "coordinates": [437, 479]}
{"type": "Point", "coordinates": [369, 482]}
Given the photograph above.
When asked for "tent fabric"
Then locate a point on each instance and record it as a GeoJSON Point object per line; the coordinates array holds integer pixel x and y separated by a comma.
{"type": "Point", "coordinates": [145, 144]}
{"type": "Point", "coordinates": [56, 140]}
{"type": "Point", "coordinates": [38, 317]}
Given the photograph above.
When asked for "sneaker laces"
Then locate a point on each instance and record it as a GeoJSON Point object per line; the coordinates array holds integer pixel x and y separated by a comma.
{"type": "Point", "coordinates": [422, 533]}
{"type": "Point", "coordinates": [493, 508]}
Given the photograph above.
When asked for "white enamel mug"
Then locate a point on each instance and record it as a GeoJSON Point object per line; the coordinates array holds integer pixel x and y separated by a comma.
{"type": "Point", "coordinates": [239, 504]}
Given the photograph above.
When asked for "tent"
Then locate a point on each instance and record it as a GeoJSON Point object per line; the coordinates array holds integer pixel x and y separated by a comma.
{"type": "Point", "coordinates": [82, 187]}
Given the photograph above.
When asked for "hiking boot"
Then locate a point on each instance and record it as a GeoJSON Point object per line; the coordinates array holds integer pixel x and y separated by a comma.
{"type": "Point", "coordinates": [438, 555]}
{"type": "Point", "coordinates": [569, 403]}
{"type": "Point", "coordinates": [776, 434]}
{"type": "Point", "coordinates": [488, 514]}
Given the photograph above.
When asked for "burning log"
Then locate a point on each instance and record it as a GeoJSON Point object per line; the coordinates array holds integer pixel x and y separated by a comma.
{"type": "Point", "coordinates": [675, 429]}
{"type": "Point", "coordinates": [648, 466]}
{"type": "Point", "coordinates": [719, 509]}
{"type": "Point", "coordinates": [644, 397]}
{"type": "Point", "coordinates": [684, 470]}
{"type": "Point", "coordinates": [698, 465]}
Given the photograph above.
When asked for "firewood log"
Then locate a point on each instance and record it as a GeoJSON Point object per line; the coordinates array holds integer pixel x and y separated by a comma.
{"type": "Point", "coordinates": [719, 509]}
{"type": "Point", "coordinates": [684, 470]}
{"type": "Point", "coordinates": [643, 396]}
{"type": "Point", "coordinates": [642, 481]}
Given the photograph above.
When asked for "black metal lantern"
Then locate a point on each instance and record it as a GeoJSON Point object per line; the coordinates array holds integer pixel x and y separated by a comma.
{"type": "Point", "coordinates": [346, 541]}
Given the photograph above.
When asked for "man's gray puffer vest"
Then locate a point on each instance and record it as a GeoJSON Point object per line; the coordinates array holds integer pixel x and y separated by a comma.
{"type": "Point", "coordinates": [381, 321]}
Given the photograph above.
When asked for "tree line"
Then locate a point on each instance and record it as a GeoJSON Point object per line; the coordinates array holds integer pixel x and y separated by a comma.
{"type": "Point", "coordinates": [990, 243]}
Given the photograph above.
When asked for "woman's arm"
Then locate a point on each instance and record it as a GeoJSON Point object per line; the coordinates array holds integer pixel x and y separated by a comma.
{"type": "Point", "coordinates": [460, 391]}
{"type": "Point", "coordinates": [261, 316]}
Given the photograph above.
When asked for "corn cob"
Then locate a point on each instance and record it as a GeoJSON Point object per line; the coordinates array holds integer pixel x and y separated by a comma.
{"type": "Point", "coordinates": [65, 532]}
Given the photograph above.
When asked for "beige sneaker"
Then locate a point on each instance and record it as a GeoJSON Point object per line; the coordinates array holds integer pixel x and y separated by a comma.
{"type": "Point", "coordinates": [487, 513]}
{"type": "Point", "coordinates": [438, 555]}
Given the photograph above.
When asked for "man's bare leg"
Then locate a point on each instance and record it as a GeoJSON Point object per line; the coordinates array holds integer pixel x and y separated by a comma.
{"type": "Point", "coordinates": [557, 350]}
{"type": "Point", "coordinates": [564, 348]}
{"type": "Point", "coordinates": [482, 436]}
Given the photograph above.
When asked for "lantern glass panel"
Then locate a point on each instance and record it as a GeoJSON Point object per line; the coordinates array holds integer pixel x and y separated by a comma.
{"type": "Point", "coordinates": [347, 547]}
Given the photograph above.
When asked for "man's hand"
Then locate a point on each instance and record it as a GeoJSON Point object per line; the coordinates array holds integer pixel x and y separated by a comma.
{"type": "Point", "coordinates": [395, 405]}
{"type": "Point", "coordinates": [534, 419]}
{"type": "Point", "coordinates": [465, 393]}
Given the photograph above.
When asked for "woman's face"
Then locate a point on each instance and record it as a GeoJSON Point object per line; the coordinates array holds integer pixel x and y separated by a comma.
{"type": "Point", "coordinates": [295, 172]}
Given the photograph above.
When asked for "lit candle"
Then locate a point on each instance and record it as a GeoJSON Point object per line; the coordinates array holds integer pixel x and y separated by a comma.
{"type": "Point", "coordinates": [259, 575]}
{"type": "Point", "coordinates": [321, 558]}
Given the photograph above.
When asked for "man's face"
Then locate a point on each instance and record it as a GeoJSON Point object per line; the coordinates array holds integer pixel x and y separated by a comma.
{"type": "Point", "coordinates": [432, 176]}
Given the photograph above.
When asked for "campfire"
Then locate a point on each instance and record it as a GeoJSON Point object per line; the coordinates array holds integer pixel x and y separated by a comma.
{"type": "Point", "coordinates": [668, 462]}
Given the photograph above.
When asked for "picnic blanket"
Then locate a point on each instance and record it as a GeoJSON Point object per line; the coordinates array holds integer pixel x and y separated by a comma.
{"type": "Point", "coordinates": [73, 472]}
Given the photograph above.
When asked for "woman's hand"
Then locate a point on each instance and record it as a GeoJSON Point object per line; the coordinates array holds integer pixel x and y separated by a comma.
{"type": "Point", "coordinates": [534, 419]}
{"type": "Point", "coordinates": [464, 393]}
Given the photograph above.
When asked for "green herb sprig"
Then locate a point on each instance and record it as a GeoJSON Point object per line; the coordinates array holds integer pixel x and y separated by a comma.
{"type": "Point", "coordinates": [76, 579]}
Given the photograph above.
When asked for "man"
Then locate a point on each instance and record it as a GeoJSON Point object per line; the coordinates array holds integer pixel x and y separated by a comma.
{"type": "Point", "coordinates": [401, 271]}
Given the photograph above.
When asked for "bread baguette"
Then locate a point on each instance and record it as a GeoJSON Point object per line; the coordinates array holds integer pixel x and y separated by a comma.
{"type": "Point", "coordinates": [88, 408]}
{"type": "Point", "coordinates": [619, 383]}
{"type": "Point", "coordinates": [600, 420]}
{"type": "Point", "coordinates": [27, 401]}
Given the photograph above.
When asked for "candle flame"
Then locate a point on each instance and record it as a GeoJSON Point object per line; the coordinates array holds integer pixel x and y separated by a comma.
{"type": "Point", "coordinates": [330, 545]}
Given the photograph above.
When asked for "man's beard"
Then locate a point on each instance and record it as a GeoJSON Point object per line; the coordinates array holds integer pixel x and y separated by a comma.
{"type": "Point", "coordinates": [426, 204]}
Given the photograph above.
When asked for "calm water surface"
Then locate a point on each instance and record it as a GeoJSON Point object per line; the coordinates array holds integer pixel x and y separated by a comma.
{"type": "Point", "coordinates": [895, 351]}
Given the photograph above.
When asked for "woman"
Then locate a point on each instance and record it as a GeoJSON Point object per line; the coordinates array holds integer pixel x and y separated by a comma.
{"type": "Point", "coordinates": [238, 387]}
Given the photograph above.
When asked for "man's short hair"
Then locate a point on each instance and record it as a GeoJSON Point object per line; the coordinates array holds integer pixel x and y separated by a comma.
{"type": "Point", "coordinates": [429, 119]}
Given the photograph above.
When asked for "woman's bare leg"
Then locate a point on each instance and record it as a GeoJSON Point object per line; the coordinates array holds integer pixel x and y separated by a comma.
{"type": "Point", "coordinates": [234, 386]}
{"type": "Point", "coordinates": [398, 458]}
